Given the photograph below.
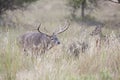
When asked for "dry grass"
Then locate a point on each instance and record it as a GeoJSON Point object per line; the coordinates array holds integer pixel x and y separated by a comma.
{"type": "Point", "coordinates": [58, 63]}
{"type": "Point", "coordinates": [96, 63]}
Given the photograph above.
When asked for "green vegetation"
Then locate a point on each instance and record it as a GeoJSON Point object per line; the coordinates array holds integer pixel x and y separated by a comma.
{"type": "Point", "coordinates": [83, 4]}
{"type": "Point", "coordinates": [12, 4]}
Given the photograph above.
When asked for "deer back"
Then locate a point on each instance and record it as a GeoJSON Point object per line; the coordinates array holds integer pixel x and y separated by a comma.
{"type": "Point", "coordinates": [36, 39]}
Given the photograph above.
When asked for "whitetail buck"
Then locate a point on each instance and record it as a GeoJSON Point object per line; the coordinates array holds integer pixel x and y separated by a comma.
{"type": "Point", "coordinates": [39, 41]}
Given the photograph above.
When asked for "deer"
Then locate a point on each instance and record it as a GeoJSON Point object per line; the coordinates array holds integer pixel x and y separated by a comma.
{"type": "Point", "coordinates": [40, 42]}
{"type": "Point", "coordinates": [99, 38]}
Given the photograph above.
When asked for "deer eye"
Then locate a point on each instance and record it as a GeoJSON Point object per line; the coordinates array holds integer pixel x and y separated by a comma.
{"type": "Point", "coordinates": [52, 39]}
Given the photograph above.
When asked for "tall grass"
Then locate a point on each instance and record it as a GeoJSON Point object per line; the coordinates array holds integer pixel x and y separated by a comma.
{"type": "Point", "coordinates": [58, 63]}
{"type": "Point", "coordinates": [11, 60]}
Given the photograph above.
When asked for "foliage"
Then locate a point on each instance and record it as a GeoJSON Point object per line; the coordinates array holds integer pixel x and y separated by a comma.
{"type": "Point", "coordinates": [12, 4]}
{"type": "Point", "coordinates": [76, 4]}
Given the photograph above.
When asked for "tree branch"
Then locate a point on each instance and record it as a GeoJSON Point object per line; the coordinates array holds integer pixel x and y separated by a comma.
{"type": "Point", "coordinates": [115, 1]}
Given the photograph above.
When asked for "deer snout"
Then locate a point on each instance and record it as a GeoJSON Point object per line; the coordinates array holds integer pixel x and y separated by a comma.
{"type": "Point", "coordinates": [58, 42]}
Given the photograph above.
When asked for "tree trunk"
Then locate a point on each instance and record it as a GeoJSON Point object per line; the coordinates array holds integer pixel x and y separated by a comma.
{"type": "Point", "coordinates": [73, 13]}
{"type": "Point", "coordinates": [83, 9]}
{"type": "Point", "coordinates": [118, 1]}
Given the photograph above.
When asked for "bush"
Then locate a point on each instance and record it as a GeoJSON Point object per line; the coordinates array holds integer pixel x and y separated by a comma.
{"type": "Point", "coordinates": [12, 4]}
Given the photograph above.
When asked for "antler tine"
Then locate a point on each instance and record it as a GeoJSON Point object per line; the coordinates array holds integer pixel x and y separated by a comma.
{"type": "Point", "coordinates": [46, 30]}
{"type": "Point", "coordinates": [63, 29]}
{"type": "Point", "coordinates": [39, 28]}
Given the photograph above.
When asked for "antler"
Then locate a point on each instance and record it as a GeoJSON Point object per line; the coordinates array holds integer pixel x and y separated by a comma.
{"type": "Point", "coordinates": [46, 30]}
{"type": "Point", "coordinates": [39, 28]}
{"type": "Point", "coordinates": [63, 29]}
